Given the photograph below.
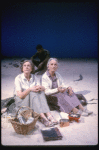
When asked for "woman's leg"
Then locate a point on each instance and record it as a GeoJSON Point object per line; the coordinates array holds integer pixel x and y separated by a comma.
{"type": "Point", "coordinates": [45, 121]}
{"type": "Point", "coordinates": [48, 116]}
{"type": "Point", "coordinates": [35, 62]}
{"type": "Point", "coordinates": [32, 101]}
{"type": "Point", "coordinates": [22, 102]}
{"type": "Point", "coordinates": [82, 111]}
{"type": "Point", "coordinates": [51, 118]}
{"type": "Point", "coordinates": [43, 116]}
{"type": "Point", "coordinates": [66, 102]}
{"type": "Point", "coordinates": [75, 110]}
{"type": "Point", "coordinates": [81, 107]}
{"type": "Point", "coordinates": [19, 103]}
{"type": "Point", "coordinates": [38, 102]}
{"type": "Point", "coordinates": [44, 107]}
{"type": "Point", "coordinates": [85, 111]}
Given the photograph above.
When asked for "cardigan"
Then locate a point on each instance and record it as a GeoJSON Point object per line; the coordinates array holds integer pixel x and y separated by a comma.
{"type": "Point", "coordinates": [47, 83]}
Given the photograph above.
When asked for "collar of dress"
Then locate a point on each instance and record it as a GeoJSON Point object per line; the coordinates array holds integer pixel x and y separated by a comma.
{"type": "Point", "coordinates": [49, 74]}
{"type": "Point", "coordinates": [54, 78]}
{"type": "Point", "coordinates": [24, 78]}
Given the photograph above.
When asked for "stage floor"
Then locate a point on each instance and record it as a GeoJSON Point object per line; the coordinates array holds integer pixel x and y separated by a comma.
{"type": "Point", "coordinates": [83, 133]}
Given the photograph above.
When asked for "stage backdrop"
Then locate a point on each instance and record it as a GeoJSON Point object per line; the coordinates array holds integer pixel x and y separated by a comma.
{"type": "Point", "coordinates": [67, 30]}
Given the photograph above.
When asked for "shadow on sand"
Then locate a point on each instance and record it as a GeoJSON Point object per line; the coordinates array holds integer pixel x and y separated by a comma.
{"type": "Point", "coordinates": [83, 92]}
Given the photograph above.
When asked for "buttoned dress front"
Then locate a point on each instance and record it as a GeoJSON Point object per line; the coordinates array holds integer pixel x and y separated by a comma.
{"type": "Point", "coordinates": [35, 100]}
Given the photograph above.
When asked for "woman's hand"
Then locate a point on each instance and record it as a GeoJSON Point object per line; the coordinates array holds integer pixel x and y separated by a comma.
{"type": "Point", "coordinates": [34, 89]}
{"type": "Point", "coordinates": [37, 88]}
{"type": "Point", "coordinates": [60, 89]}
{"type": "Point", "coordinates": [70, 91]}
{"type": "Point", "coordinates": [41, 88]}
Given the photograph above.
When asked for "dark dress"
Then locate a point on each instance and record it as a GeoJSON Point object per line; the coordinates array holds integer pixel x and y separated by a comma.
{"type": "Point", "coordinates": [61, 101]}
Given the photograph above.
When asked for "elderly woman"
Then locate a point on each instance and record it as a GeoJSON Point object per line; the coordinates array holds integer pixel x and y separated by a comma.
{"type": "Point", "coordinates": [30, 93]}
{"type": "Point", "coordinates": [61, 97]}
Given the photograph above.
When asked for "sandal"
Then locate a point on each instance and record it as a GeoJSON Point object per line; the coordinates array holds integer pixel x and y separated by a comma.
{"type": "Point", "coordinates": [50, 118]}
{"type": "Point", "coordinates": [45, 122]}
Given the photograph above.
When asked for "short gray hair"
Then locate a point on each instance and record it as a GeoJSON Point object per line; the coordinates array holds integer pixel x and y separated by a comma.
{"type": "Point", "coordinates": [51, 60]}
{"type": "Point", "coordinates": [32, 65]}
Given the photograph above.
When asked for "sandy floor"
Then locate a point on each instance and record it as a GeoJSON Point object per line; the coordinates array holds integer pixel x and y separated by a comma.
{"type": "Point", "coordinates": [83, 133]}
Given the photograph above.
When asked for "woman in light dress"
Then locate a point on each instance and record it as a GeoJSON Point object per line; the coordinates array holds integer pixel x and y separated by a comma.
{"type": "Point", "coordinates": [30, 93]}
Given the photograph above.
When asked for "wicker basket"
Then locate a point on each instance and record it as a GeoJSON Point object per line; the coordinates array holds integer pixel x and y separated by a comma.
{"type": "Point", "coordinates": [24, 128]}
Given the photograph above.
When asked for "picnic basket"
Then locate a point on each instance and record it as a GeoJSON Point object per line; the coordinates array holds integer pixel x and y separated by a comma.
{"type": "Point", "coordinates": [24, 128]}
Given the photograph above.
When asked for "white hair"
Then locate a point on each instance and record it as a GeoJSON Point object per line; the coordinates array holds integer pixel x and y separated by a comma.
{"type": "Point", "coordinates": [51, 60]}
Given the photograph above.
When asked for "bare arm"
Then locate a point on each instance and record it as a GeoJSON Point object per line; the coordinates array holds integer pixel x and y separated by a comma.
{"type": "Point", "coordinates": [46, 58]}
{"type": "Point", "coordinates": [44, 61]}
{"type": "Point", "coordinates": [23, 94]}
{"type": "Point", "coordinates": [68, 89]}
{"type": "Point", "coordinates": [34, 56]}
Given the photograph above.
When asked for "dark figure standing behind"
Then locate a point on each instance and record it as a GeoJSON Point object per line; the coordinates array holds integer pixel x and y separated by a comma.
{"type": "Point", "coordinates": [43, 56]}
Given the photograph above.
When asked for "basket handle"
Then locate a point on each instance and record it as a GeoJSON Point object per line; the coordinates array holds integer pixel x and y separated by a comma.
{"type": "Point", "coordinates": [20, 109]}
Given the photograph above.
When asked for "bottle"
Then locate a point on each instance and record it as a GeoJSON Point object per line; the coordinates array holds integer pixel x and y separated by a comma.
{"type": "Point", "coordinates": [21, 119]}
{"type": "Point", "coordinates": [29, 120]}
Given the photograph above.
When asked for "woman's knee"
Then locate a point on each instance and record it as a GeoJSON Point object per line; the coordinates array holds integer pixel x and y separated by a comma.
{"type": "Point", "coordinates": [36, 94]}
{"type": "Point", "coordinates": [19, 101]}
{"type": "Point", "coordinates": [33, 94]}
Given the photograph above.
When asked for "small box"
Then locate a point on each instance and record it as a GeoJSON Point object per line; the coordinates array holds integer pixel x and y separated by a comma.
{"type": "Point", "coordinates": [64, 122]}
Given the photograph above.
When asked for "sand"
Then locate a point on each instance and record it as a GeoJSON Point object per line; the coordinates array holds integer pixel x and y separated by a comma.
{"type": "Point", "coordinates": [83, 133]}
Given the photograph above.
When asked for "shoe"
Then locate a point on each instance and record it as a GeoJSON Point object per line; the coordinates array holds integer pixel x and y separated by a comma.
{"type": "Point", "coordinates": [50, 118]}
{"type": "Point", "coordinates": [74, 117]}
{"type": "Point", "coordinates": [46, 122]}
{"type": "Point", "coordinates": [86, 112]}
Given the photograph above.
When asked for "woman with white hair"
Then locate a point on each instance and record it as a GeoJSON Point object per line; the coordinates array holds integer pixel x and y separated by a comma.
{"type": "Point", "coordinates": [61, 97]}
{"type": "Point", "coordinates": [30, 93]}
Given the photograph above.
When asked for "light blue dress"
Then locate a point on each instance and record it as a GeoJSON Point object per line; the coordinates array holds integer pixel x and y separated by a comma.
{"type": "Point", "coordinates": [35, 100]}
